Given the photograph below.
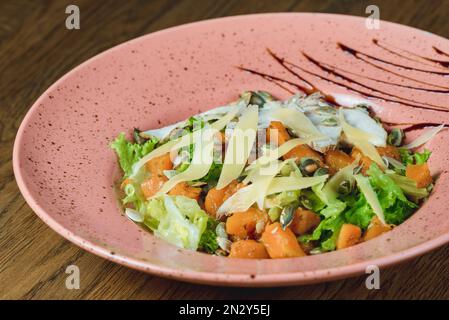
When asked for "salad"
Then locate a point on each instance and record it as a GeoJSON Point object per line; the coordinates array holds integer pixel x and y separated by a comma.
{"type": "Point", "coordinates": [262, 178]}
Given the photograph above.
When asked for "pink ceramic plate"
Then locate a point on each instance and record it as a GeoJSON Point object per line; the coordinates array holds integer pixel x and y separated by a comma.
{"type": "Point", "coordinates": [66, 171]}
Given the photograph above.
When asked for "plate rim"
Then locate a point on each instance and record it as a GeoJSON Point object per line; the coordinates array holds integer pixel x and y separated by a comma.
{"type": "Point", "coordinates": [200, 277]}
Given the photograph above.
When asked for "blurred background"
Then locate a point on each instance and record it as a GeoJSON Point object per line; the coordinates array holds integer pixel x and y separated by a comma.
{"type": "Point", "coordinates": [36, 49]}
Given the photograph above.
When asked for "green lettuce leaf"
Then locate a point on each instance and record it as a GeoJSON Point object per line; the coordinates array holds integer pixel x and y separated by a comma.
{"type": "Point", "coordinates": [409, 157]}
{"type": "Point", "coordinates": [329, 228]}
{"type": "Point", "coordinates": [129, 153]}
{"type": "Point", "coordinates": [409, 186]}
{"type": "Point", "coordinates": [395, 205]}
{"type": "Point", "coordinates": [360, 213]}
{"type": "Point", "coordinates": [208, 241]}
{"type": "Point", "coordinates": [176, 219]}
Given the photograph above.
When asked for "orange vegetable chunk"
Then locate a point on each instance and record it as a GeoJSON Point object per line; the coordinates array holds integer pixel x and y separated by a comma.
{"type": "Point", "coordinates": [281, 243]}
{"type": "Point", "coordinates": [276, 133]}
{"type": "Point", "coordinates": [301, 151]}
{"type": "Point", "coordinates": [215, 198]}
{"type": "Point", "coordinates": [337, 160]}
{"type": "Point", "coordinates": [375, 228]}
{"type": "Point", "coordinates": [183, 189]}
{"type": "Point", "coordinates": [389, 151]}
{"type": "Point", "coordinates": [248, 249]}
{"type": "Point", "coordinates": [304, 221]}
{"type": "Point", "coordinates": [159, 164]}
{"type": "Point", "coordinates": [349, 235]}
{"type": "Point", "coordinates": [152, 185]}
{"type": "Point", "coordinates": [420, 173]}
{"type": "Point", "coordinates": [243, 224]}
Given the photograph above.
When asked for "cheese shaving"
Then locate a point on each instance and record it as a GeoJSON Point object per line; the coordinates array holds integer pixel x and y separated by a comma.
{"type": "Point", "coordinates": [360, 139]}
{"type": "Point", "coordinates": [243, 199]}
{"type": "Point", "coordinates": [202, 159]}
{"type": "Point", "coordinates": [239, 146]}
{"type": "Point", "coordinates": [426, 136]}
{"type": "Point", "coordinates": [294, 182]}
{"type": "Point", "coordinates": [371, 197]}
{"type": "Point", "coordinates": [298, 122]}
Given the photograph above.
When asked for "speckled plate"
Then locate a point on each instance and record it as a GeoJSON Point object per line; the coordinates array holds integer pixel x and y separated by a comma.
{"type": "Point", "coordinates": [65, 169]}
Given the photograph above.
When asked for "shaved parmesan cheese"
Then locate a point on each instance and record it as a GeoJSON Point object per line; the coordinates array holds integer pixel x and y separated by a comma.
{"type": "Point", "coordinates": [330, 189]}
{"type": "Point", "coordinates": [184, 141]}
{"type": "Point", "coordinates": [370, 195]}
{"type": "Point", "coordinates": [201, 160]}
{"type": "Point", "coordinates": [243, 199]}
{"type": "Point", "coordinates": [239, 146]}
{"type": "Point", "coordinates": [294, 182]}
{"type": "Point", "coordinates": [361, 140]}
{"type": "Point", "coordinates": [426, 136]}
{"type": "Point", "coordinates": [298, 122]}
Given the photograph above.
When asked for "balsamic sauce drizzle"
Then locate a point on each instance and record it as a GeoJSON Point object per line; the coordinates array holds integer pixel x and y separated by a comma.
{"type": "Point", "coordinates": [445, 64]}
{"type": "Point", "coordinates": [375, 79]}
{"type": "Point", "coordinates": [360, 58]}
{"type": "Point", "coordinates": [308, 87]}
{"type": "Point", "coordinates": [364, 93]}
{"type": "Point", "coordinates": [342, 76]}
{"type": "Point", "coordinates": [439, 51]}
{"type": "Point", "coordinates": [355, 52]}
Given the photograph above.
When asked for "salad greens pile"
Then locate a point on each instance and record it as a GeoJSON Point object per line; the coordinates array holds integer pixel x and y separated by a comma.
{"type": "Point", "coordinates": [354, 193]}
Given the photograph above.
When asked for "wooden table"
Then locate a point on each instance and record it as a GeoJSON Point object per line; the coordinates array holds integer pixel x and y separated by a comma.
{"type": "Point", "coordinates": [36, 49]}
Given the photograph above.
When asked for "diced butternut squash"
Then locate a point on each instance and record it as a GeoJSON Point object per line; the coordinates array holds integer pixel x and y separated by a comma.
{"type": "Point", "coordinates": [365, 161]}
{"type": "Point", "coordinates": [215, 198]}
{"type": "Point", "coordinates": [152, 185]}
{"type": "Point", "coordinates": [159, 164]}
{"type": "Point", "coordinates": [304, 221]}
{"type": "Point", "coordinates": [302, 151]}
{"type": "Point", "coordinates": [281, 243]}
{"type": "Point", "coordinates": [349, 235]}
{"type": "Point", "coordinates": [420, 173]}
{"type": "Point", "coordinates": [375, 228]}
{"type": "Point", "coordinates": [183, 189]}
{"type": "Point", "coordinates": [242, 225]}
{"type": "Point", "coordinates": [248, 249]}
{"type": "Point", "coordinates": [213, 201]}
{"type": "Point", "coordinates": [389, 151]}
{"type": "Point", "coordinates": [276, 133]}
{"type": "Point", "coordinates": [337, 160]}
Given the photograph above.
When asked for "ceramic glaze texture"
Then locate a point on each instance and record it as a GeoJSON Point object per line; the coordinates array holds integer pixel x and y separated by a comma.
{"type": "Point", "coordinates": [66, 170]}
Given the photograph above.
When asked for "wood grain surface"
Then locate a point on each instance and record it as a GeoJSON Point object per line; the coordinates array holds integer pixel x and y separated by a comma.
{"type": "Point", "coordinates": [36, 49]}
